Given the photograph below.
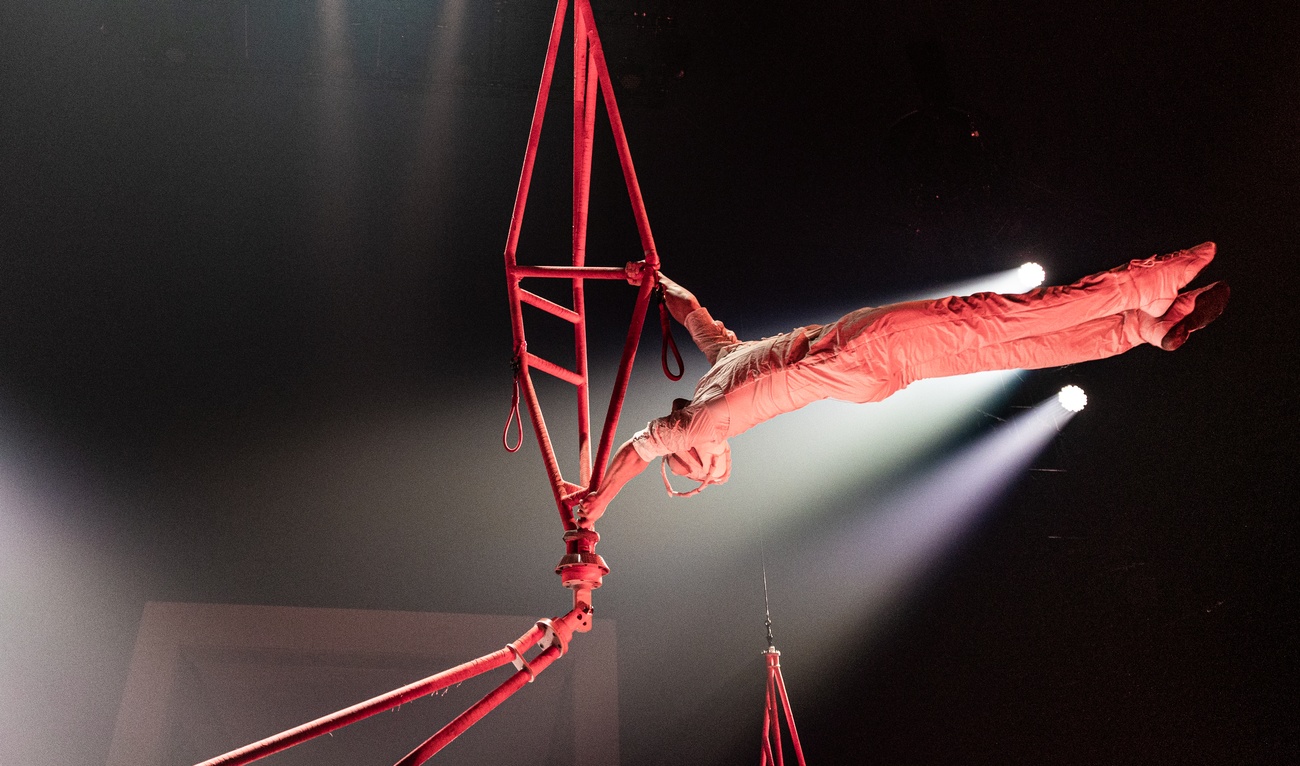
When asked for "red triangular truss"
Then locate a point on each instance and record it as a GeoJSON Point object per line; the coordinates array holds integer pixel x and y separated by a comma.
{"type": "Point", "coordinates": [590, 78]}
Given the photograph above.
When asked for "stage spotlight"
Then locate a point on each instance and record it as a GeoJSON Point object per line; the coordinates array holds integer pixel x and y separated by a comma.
{"type": "Point", "coordinates": [1014, 281]}
{"type": "Point", "coordinates": [1072, 398]}
{"type": "Point", "coordinates": [1031, 275]}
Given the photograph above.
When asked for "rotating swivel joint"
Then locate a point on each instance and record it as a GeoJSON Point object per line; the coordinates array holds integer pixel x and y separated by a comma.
{"type": "Point", "coordinates": [582, 569]}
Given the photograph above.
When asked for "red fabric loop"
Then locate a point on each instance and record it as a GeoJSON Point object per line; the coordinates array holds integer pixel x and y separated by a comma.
{"type": "Point", "coordinates": [514, 418]}
{"type": "Point", "coordinates": [666, 326]}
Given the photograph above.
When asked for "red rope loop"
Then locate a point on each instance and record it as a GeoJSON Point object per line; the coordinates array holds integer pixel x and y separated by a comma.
{"type": "Point", "coordinates": [514, 414]}
{"type": "Point", "coordinates": [665, 324]}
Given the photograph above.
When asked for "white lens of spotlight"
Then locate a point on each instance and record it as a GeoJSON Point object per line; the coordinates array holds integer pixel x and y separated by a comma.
{"type": "Point", "coordinates": [1031, 275]}
{"type": "Point", "coordinates": [1072, 398]}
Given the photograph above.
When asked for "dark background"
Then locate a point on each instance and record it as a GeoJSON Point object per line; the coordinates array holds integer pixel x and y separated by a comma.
{"type": "Point", "coordinates": [254, 348]}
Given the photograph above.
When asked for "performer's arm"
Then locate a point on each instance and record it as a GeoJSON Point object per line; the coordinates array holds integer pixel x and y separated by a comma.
{"type": "Point", "coordinates": [622, 469]}
{"type": "Point", "coordinates": [681, 302]}
{"type": "Point", "coordinates": [710, 336]}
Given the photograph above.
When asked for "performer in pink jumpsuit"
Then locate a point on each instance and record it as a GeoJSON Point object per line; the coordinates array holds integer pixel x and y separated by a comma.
{"type": "Point", "coordinates": [873, 352]}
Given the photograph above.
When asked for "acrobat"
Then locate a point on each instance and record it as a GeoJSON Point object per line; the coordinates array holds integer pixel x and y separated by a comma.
{"type": "Point", "coordinates": [872, 353]}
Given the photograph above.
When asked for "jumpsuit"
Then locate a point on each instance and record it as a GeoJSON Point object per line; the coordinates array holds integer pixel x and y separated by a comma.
{"type": "Point", "coordinates": [871, 353]}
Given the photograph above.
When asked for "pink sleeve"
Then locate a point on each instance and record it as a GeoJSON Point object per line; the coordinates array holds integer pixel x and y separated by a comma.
{"type": "Point", "coordinates": [709, 334]}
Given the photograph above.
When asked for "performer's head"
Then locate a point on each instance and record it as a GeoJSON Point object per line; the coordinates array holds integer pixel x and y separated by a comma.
{"type": "Point", "coordinates": [708, 464]}
{"type": "Point", "coordinates": [705, 463]}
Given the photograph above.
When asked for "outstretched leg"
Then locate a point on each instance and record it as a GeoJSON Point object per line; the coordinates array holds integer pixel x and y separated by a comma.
{"type": "Point", "coordinates": [954, 325]}
{"type": "Point", "coordinates": [1094, 339]}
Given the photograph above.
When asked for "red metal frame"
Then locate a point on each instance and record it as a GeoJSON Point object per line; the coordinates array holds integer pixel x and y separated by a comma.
{"type": "Point", "coordinates": [777, 699]}
{"type": "Point", "coordinates": [589, 73]}
{"type": "Point", "coordinates": [326, 724]}
{"type": "Point", "coordinates": [581, 569]}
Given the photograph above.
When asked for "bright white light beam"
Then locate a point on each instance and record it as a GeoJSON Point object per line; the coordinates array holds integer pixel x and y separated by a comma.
{"type": "Point", "coordinates": [1011, 282]}
{"type": "Point", "coordinates": [868, 568]}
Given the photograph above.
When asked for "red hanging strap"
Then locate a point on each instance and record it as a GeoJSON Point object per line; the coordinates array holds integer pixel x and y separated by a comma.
{"type": "Point", "coordinates": [666, 325]}
{"type": "Point", "coordinates": [514, 414]}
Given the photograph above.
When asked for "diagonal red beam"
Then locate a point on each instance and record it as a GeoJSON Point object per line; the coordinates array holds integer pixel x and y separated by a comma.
{"type": "Point", "coordinates": [375, 705]}
{"type": "Point", "coordinates": [621, 380]}
{"type": "Point", "coordinates": [534, 137]}
{"type": "Point", "coordinates": [620, 137]}
{"type": "Point", "coordinates": [451, 731]}
{"type": "Point", "coordinates": [549, 306]}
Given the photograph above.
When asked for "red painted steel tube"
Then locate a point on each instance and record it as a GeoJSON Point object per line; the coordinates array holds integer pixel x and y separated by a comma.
{"type": "Point", "coordinates": [589, 130]}
{"type": "Point", "coordinates": [584, 388]}
{"type": "Point", "coordinates": [438, 741]}
{"type": "Point", "coordinates": [593, 85]}
{"type": "Point", "coordinates": [512, 243]}
{"type": "Point", "coordinates": [621, 381]}
{"type": "Point", "coordinates": [534, 134]}
{"type": "Point", "coordinates": [789, 717]}
{"type": "Point", "coordinates": [568, 272]}
{"type": "Point", "coordinates": [582, 144]}
{"type": "Point", "coordinates": [545, 446]}
{"type": "Point", "coordinates": [620, 137]}
{"type": "Point", "coordinates": [373, 706]}
{"type": "Point", "coordinates": [550, 307]}
{"type": "Point", "coordinates": [551, 368]}
{"type": "Point", "coordinates": [777, 698]}
{"type": "Point", "coordinates": [774, 712]}
{"type": "Point", "coordinates": [766, 759]}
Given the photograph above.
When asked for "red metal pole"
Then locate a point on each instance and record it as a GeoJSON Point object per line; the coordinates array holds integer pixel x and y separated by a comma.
{"type": "Point", "coordinates": [769, 717]}
{"type": "Point", "coordinates": [438, 741]}
{"type": "Point", "coordinates": [534, 138]}
{"type": "Point", "coordinates": [777, 698]}
{"type": "Point", "coordinates": [512, 243]}
{"type": "Point", "coordinates": [789, 716]}
{"type": "Point", "coordinates": [624, 375]}
{"type": "Point", "coordinates": [570, 272]}
{"type": "Point", "coordinates": [549, 306]}
{"type": "Point", "coordinates": [544, 445]}
{"type": "Point", "coordinates": [776, 717]}
{"type": "Point", "coordinates": [766, 758]}
{"type": "Point", "coordinates": [551, 368]}
{"type": "Point", "coordinates": [563, 629]}
{"type": "Point", "coordinates": [585, 17]}
{"type": "Point", "coordinates": [373, 706]}
{"type": "Point", "coordinates": [582, 144]}
{"type": "Point", "coordinates": [620, 137]}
